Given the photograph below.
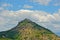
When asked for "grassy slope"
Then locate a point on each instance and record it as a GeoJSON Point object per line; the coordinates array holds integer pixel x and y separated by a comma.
{"type": "Point", "coordinates": [27, 30]}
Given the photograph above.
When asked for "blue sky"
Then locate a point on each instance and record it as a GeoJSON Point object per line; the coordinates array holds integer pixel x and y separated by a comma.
{"type": "Point", "coordinates": [43, 12]}
{"type": "Point", "coordinates": [18, 4]}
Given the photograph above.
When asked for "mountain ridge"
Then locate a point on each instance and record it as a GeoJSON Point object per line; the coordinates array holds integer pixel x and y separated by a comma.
{"type": "Point", "coordinates": [28, 30]}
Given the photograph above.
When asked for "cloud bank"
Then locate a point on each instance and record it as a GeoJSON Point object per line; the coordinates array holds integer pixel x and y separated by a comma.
{"type": "Point", "coordinates": [9, 19]}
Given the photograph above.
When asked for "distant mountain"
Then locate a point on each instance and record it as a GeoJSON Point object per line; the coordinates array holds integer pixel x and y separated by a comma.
{"type": "Point", "coordinates": [28, 30]}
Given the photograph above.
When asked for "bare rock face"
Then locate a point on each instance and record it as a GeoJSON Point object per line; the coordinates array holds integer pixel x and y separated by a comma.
{"type": "Point", "coordinates": [28, 30]}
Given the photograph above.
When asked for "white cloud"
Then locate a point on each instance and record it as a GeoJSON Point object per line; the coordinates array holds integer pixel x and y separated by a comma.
{"type": "Point", "coordinates": [42, 2]}
{"type": "Point", "coordinates": [1, 8]}
{"type": "Point", "coordinates": [56, 2]}
{"type": "Point", "coordinates": [45, 19]}
{"type": "Point", "coordinates": [47, 2]}
{"type": "Point", "coordinates": [57, 15]}
{"type": "Point", "coordinates": [6, 4]}
{"type": "Point", "coordinates": [2, 21]}
{"type": "Point", "coordinates": [27, 6]}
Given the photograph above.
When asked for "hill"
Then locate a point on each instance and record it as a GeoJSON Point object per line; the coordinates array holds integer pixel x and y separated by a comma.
{"type": "Point", "coordinates": [28, 30]}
